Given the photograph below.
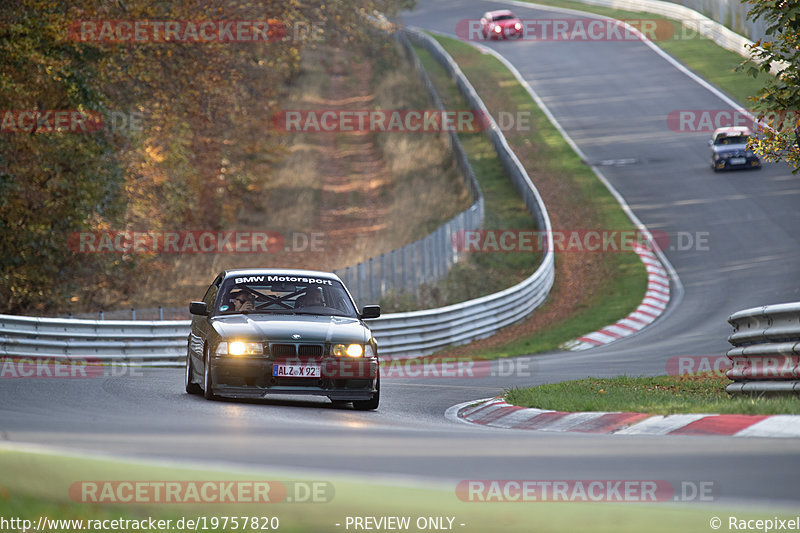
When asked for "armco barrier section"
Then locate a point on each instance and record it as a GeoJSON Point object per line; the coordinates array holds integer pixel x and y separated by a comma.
{"type": "Point", "coordinates": [101, 340]}
{"type": "Point", "coordinates": [766, 352]}
{"type": "Point", "coordinates": [399, 335]}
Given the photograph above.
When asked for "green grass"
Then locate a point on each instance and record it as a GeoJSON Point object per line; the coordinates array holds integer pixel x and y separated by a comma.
{"type": "Point", "coordinates": [703, 56]}
{"type": "Point", "coordinates": [543, 150]}
{"type": "Point", "coordinates": [35, 485]}
{"type": "Point", "coordinates": [662, 395]}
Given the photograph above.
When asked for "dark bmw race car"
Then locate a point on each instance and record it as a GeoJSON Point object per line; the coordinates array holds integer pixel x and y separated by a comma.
{"type": "Point", "coordinates": [729, 149]}
{"type": "Point", "coordinates": [266, 331]}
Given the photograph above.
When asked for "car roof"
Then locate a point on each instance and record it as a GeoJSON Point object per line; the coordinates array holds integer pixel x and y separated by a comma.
{"type": "Point", "coordinates": [292, 272]}
{"type": "Point", "coordinates": [733, 131]}
{"type": "Point", "coordinates": [499, 12]}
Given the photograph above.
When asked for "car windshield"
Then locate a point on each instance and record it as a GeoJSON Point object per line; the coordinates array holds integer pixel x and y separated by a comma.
{"type": "Point", "coordinates": [504, 17]}
{"type": "Point", "coordinates": [283, 294]}
{"type": "Point", "coordinates": [738, 139]}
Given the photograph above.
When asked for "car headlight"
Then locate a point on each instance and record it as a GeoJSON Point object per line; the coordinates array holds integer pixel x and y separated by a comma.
{"type": "Point", "coordinates": [498, 29]}
{"type": "Point", "coordinates": [240, 348]}
{"type": "Point", "coordinates": [517, 26]}
{"type": "Point", "coordinates": [350, 350]}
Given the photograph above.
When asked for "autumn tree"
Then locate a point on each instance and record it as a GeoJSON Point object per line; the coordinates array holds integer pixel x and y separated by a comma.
{"type": "Point", "coordinates": [200, 147]}
{"type": "Point", "coordinates": [778, 102]}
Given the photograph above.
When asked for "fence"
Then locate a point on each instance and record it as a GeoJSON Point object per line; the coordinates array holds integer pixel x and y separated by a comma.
{"type": "Point", "coordinates": [428, 259]}
{"type": "Point", "coordinates": [766, 352]}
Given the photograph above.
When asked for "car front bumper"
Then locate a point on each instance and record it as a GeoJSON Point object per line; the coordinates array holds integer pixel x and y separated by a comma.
{"type": "Point", "coordinates": [251, 377]}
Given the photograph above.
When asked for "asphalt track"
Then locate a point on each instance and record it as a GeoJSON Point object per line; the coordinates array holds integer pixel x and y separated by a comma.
{"type": "Point", "coordinates": [613, 99]}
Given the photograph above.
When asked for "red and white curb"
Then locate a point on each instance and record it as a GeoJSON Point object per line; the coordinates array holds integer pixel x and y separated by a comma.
{"type": "Point", "coordinates": [653, 305]}
{"type": "Point", "coordinates": [496, 413]}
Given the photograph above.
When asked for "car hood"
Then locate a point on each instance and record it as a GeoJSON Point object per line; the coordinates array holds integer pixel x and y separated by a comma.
{"type": "Point", "coordinates": [311, 328]}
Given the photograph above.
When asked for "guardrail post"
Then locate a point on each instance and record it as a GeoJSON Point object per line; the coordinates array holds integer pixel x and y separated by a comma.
{"type": "Point", "coordinates": [383, 276]}
{"type": "Point", "coordinates": [394, 271]}
{"type": "Point", "coordinates": [371, 283]}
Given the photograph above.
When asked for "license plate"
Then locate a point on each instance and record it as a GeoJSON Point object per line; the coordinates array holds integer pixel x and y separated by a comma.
{"type": "Point", "coordinates": [738, 160]}
{"type": "Point", "coordinates": [296, 371]}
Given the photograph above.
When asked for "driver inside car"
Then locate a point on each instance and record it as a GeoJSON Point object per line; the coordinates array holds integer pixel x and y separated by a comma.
{"type": "Point", "coordinates": [242, 301]}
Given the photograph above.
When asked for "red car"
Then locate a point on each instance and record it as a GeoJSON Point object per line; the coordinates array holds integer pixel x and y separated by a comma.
{"type": "Point", "coordinates": [502, 24]}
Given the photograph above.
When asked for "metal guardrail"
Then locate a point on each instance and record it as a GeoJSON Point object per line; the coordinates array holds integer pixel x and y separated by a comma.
{"type": "Point", "coordinates": [101, 340]}
{"type": "Point", "coordinates": [766, 352]}
{"type": "Point", "coordinates": [398, 334]}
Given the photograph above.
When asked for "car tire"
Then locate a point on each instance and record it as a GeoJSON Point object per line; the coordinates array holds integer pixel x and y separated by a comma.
{"type": "Point", "coordinates": [191, 387]}
{"type": "Point", "coordinates": [371, 404]}
{"type": "Point", "coordinates": [208, 384]}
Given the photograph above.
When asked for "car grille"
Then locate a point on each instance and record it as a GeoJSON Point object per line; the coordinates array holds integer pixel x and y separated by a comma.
{"type": "Point", "coordinates": [309, 350]}
{"type": "Point", "coordinates": [296, 350]}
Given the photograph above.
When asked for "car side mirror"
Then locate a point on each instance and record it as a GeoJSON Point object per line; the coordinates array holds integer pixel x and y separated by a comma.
{"type": "Point", "coordinates": [198, 308]}
{"type": "Point", "coordinates": [710, 142]}
{"type": "Point", "coordinates": [370, 311]}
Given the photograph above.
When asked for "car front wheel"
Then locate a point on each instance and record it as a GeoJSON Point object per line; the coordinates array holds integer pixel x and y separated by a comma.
{"type": "Point", "coordinates": [371, 404]}
{"type": "Point", "coordinates": [191, 387]}
{"type": "Point", "coordinates": [208, 385]}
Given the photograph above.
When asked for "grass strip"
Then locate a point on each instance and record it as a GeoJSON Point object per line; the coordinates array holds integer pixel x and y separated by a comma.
{"type": "Point", "coordinates": [660, 395]}
{"type": "Point", "coordinates": [36, 484]}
